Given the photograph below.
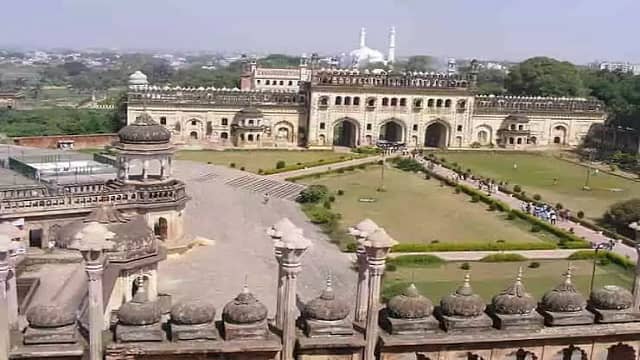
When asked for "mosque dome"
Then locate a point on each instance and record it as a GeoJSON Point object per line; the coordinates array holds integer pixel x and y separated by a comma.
{"type": "Point", "coordinates": [463, 302]}
{"type": "Point", "coordinates": [514, 300]}
{"type": "Point", "coordinates": [366, 55]}
{"type": "Point", "coordinates": [611, 297]}
{"type": "Point", "coordinates": [144, 131]}
{"type": "Point", "coordinates": [244, 309]}
{"type": "Point", "coordinates": [193, 312]}
{"type": "Point", "coordinates": [133, 238]}
{"type": "Point", "coordinates": [564, 297]}
{"type": "Point", "coordinates": [326, 306]}
{"type": "Point", "coordinates": [49, 316]}
{"type": "Point", "coordinates": [410, 305]}
{"type": "Point", "coordinates": [138, 78]}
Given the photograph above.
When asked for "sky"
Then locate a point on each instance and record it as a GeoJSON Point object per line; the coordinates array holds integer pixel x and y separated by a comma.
{"type": "Point", "coordinates": [575, 30]}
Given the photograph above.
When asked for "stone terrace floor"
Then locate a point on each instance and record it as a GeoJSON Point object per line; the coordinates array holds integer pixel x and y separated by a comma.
{"type": "Point", "coordinates": [235, 220]}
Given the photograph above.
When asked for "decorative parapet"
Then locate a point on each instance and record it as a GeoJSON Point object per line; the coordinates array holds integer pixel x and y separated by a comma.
{"type": "Point", "coordinates": [104, 195]}
{"type": "Point", "coordinates": [142, 95]}
{"type": "Point", "coordinates": [383, 79]}
{"type": "Point", "coordinates": [532, 104]}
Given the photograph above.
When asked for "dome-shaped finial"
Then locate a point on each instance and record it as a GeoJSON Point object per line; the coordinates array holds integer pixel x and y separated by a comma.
{"type": "Point", "coordinates": [245, 286]}
{"type": "Point", "coordinates": [329, 286]}
{"type": "Point", "coordinates": [519, 276]}
{"type": "Point", "coordinates": [567, 275]}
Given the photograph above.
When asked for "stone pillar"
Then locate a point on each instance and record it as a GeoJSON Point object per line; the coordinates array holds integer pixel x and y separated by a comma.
{"type": "Point", "coordinates": [5, 341]}
{"type": "Point", "coordinates": [636, 281]}
{"type": "Point", "coordinates": [12, 290]}
{"type": "Point", "coordinates": [92, 240]}
{"type": "Point", "coordinates": [145, 169]}
{"type": "Point", "coordinates": [293, 246]}
{"type": "Point", "coordinates": [377, 247]}
{"type": "Point", "coordinates": [360, 231]}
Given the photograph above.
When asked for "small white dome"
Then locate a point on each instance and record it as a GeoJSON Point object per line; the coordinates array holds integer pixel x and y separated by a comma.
{"type": "Point", "coordinates": [365, 56]}
{"type": "Point", "coordinates": [138, 78]}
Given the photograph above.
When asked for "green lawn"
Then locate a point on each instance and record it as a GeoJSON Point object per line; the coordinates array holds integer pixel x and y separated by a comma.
{"type": "Point", "coordinates": [252, 160]}
{"type": "Point", "coordinates": [536, 174]}
{"type": "Point", "coordinates": [414, 210]}
{"type": "Point", "coordinates": [488, 279]}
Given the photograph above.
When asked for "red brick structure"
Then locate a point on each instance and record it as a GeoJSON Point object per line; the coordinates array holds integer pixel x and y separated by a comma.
{"type": "Point", "coordinates": [79, 141]}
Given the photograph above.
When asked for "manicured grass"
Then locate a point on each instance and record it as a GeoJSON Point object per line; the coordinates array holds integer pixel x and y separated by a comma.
{"type": "Point", "coordinates": [415, 210]}
{"type": "Point", "coordinates": [488, 279]}
{"type": "Point", "coordinates": [253, 160]}
{"type": "Point", "coordinates": [536, 174]}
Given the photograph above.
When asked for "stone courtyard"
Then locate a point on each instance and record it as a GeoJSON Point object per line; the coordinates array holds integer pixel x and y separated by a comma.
{"type": "Point", "coordinates": [234, 220]}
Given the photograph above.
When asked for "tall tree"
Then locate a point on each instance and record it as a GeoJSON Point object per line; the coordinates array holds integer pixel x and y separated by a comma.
{"type": "Point", "coordinates": [421, 63]}
{"type": "Point", "coordinates": [543, 76]}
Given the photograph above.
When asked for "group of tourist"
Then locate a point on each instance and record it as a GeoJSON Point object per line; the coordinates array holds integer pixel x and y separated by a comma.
{"type": "Point", "coordinates": [546, 212]}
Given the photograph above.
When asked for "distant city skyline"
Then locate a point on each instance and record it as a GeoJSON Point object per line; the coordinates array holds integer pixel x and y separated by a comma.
{"type": "Point", "coordinates": [575, 30]}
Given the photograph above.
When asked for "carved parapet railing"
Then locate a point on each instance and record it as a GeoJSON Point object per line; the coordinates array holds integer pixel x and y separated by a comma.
{"type": "Point", "coordinates": [525, 104]}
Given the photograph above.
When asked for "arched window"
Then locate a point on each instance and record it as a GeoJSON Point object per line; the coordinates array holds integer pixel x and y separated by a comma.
{"type": "Point", "coordinates": [385, 101]}
{"type": "Point", "coordinates": [403, 102]}
{"type": "Point", "coordinates": [573, 353]}
{"type": "Point", "coordinates": [338, 100]}
{"type": "Point", "coordinates": [394, 102]}
{"type": "Point", "coordinates": [462, 104]}
{"type": "Point", "coordinates": [324, 101]}
{"type": "Point", "coordinates": [519, 141]}
{"type": "Point", "coordinates": [621, 352]}
{"type": "Point", "coordinates": [290, 83]}
{"type": "Point", "coordinates": [447, 103]}
{"type": "Point", "coordinates": [371, 102]}
{"type": "Point", "coordinates": [520, 127]}
{"type": "Point", "coordinates": [347, 100]}
{"type": "Point", "coordinates": [417, 103]}
{"type": "Point", "coordinates": [430, 103]}
{"type": "Point", "coordinates": [250, 137]}
{"type": "Point", "coordinates": [439, 103]}
{"type": "Point", "coordinates": [267, 82]}
{"type": "Point", "coordinates": [224, 135]}
{"type": "Point", "coordinates": [522, 354]}
{"type": "Point", "coordinates": [281, 82]}
{"type": "Point", "coordinates": [356, 101]}
{"type": "Point", "coordinates": [512, 127]}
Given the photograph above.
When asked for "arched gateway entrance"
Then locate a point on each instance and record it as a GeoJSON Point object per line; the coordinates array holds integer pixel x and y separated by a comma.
{"type": "Point", "coordinates": [391, 131]}
{"type": "Point", "coordinates": [345, 133]}
{"type": "Point", "coordinates": [436, 135]}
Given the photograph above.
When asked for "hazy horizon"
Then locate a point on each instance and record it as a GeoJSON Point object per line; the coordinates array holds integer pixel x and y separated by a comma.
{"type": "Point", "coordinates": [576, 30]}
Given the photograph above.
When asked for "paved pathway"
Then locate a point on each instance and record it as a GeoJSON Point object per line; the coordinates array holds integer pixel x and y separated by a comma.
{"type": "Point", "coordinates": [595, 237]}
{"type": "Point", "coordinates": [324, 168]}
{"type": "Point", "coordinates": [235, 220]}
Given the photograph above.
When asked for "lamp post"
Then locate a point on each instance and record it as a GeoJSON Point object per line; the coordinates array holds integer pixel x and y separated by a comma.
{"type": "Point", "coordinates": [588, 175]}
{"type": "Point", "coordinates": [292, 246]}
{"type": "Point", "coordinates": [377, 246]}
{"type": "Point", "coordinates": [92, 241]}
{"type": "Point", "coordinates": [595, 259]}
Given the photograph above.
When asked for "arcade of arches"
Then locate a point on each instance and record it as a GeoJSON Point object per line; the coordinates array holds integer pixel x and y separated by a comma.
{"type": "Point", "coordinates": [392, 131]}
{"type": "Point", "coordinates": [436, 135]}
{"type": "Point", "coordinates": [345, 133]}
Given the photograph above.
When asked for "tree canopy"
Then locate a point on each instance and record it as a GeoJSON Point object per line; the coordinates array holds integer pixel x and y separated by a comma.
{"type": "Point", "coordinates": [543, 76]}
{"type": "Point", "coordinates": [422, 63]}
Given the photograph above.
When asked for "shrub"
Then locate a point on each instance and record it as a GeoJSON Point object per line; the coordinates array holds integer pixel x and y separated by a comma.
{"type": "Point", "coordinates": [537, 197]}
{"type": "Point", "coordinates": [340, 171]}
{"type": "Point", "coordinates": [340, 192]}
{"type": "Point", "coordinates": [580, 214]}
{"type": "Point", "coordinates": [435, 241]}
{"type": "Point", "coordinates": [362, 166]}
{"type": "Point", "coordinates": [457, 190]}
{"type": "Point", "coordinates": [511, 216]}
{"type": "Point", "coordinates": [391, 267]}
{"type": "Point", "coordinates": [443, 160]}
{"type": "Point", "coordinates": [280, 164]}
{"type": "Point", "coordinates": [326, 204]}
{"type": "Point", "coordinates": [320, 215]}
{"type": "Point", "coordinates": [475, 145]}
{"type": "Point", "coordinates": [351, 247]}
{"type": "Point", "coordinates": [517, 188]}
{"type": "Point", "coordinates": [380, 162]}
{"type": "Point", "coordinates": [613, 167]}
{"type": "Point", "coordinates": [604, 261]}
{"type": "Point", "coordinates": [534, 265]}
{"type": "Point", "coordinates": [427, 177]}
{"type": "Point", "coordinates": [260, 171]}
{"type": "Point", "coordinates": [503, 258]}
{"type": "Point", "coordinates": [415, 260]}
{"type": "Point", "coordinates": [535, 228]}
{"type": "Point", "coordinates": [232, 165]}
{"type": "Point", "coordinates": [621, 214]}
{"type": "Point", "coordinates": [465, 266]}
{"type": "Point", "coordinates": [559, 206]}
{"type": "Point", "coordinates": [332, 198]}
{"type": "Point", "coordinates": [492, 207]}
{"type": "Point", "coordinates": [313, 194]}
{"type": "Point", "coordinates": [242, 168]}
{"type": "Point", "coordinates": [610, 256]}
{"type": "Point", "coordinates": [475, 198]}
{"type": "Point", "coordinates": [474, 246]}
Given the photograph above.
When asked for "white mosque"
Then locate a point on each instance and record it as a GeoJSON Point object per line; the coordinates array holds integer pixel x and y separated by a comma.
{"type": "Point", "coordinates": [365, 55]}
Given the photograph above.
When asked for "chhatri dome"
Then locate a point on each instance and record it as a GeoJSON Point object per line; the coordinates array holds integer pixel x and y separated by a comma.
{"type": "Point", "coordinates": [365, 55]}
{"type": "Point", "coordinates": [138, 78]}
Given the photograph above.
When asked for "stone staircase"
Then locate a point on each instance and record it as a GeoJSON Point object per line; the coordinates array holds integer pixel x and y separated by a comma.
{"type": "Point", "coordinates": [275, 188]}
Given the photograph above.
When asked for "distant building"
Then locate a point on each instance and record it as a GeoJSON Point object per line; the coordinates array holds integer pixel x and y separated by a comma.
{"type": "Point", "coordinates": [10, 99]}
{"type": "Point", "coordinates": [624, 67]}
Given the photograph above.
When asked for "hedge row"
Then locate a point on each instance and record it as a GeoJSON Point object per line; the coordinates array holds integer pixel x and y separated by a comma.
{"type": "Point", "coordinates": [415, 260]}
{"type": "Point", "coordinates": [503, 258]}
{"type": "Point", "coordinates": [603, 254]}
{"type": "Point", "coordinates": [310, 164]}
{"type": "Point", "coordinates": [473, 246]}
{"type": "Point", "coordinates": [567, 239]}
{"type": "Point", "coordinates": [341, 170]}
